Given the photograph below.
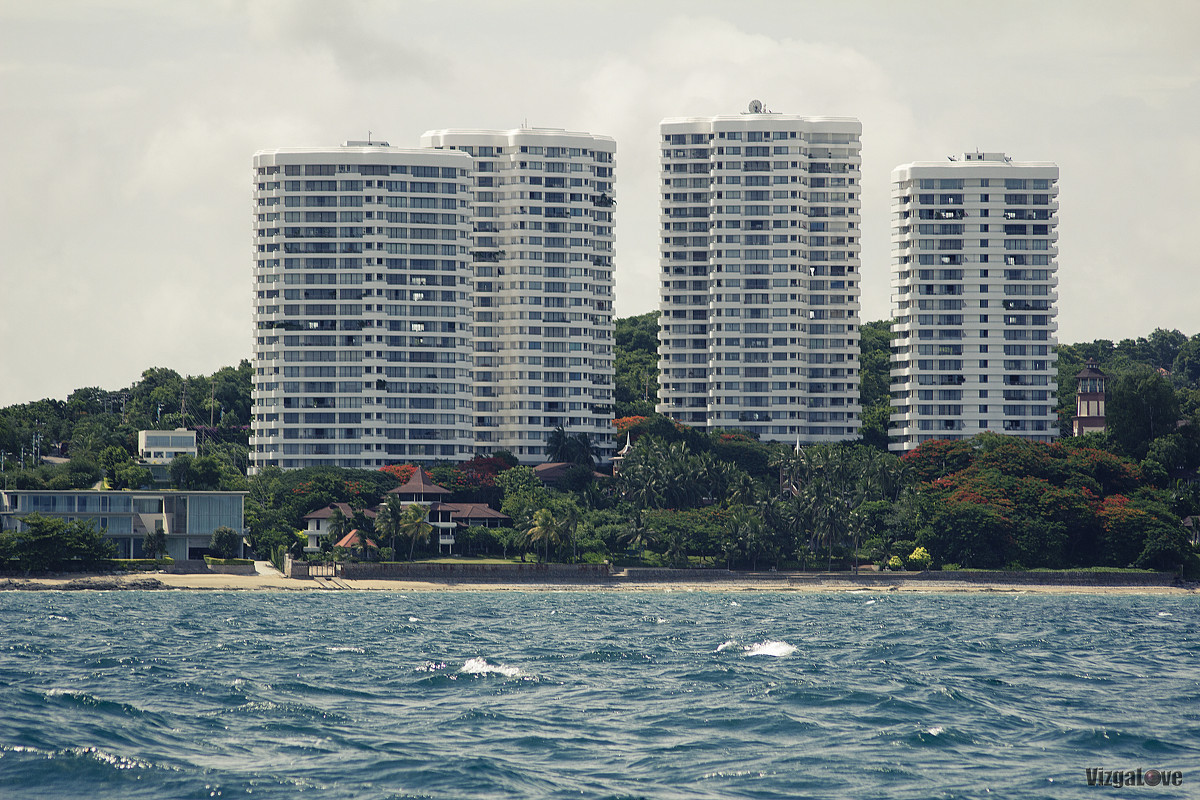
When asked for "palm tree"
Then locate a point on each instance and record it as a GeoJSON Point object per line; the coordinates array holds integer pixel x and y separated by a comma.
{"type": "Point", "coordinates": [568, 524]}
{"type": "Point", "coordinates": [558, 445]}
{"type": "Point", "coordinates": [414, 525]}
{"type": "Point", "coordinates": [582, 450]}
{"type": "Point", "coordinates": [387, 520]}
{"type": "Point", "coordinates": [339, 526]}
{"type": "Point", "coordinates": [739, 524]}
{"type": "Point", "coordinates": [639, 536]}
{"type": "Point", "coordinates": [544, 528]}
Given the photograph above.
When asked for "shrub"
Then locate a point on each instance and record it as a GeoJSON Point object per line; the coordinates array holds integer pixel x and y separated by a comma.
{"type": "Point", "coordinates": [895, 564]}
{"type": "Point", "coordinates": [277, 557]}
{"type": "Point", "coordinates": [141, 564]}
{"type": "Point", "coordinates": [920, 559]}
{"type": "Point", "coordinates": [225, 542]}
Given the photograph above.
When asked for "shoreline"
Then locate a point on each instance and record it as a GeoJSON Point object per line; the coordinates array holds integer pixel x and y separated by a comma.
{"type": "Point", "coordinates": [268, 579]}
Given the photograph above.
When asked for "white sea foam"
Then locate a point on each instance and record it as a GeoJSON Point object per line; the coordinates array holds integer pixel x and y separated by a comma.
{"type": "Point", "coordinates": [661, 620]}
{"type": "Point", "coordinates": [935, 730]}
{"type": "Point", "coordinates": [726, 645]}
{"type": "Point", "coordinates": [480, 666]}
{"type": "Point", "coordinates": [870, 603]}
{"type": "Point", "coordinates": [734, 603]}
{"type": "Point", "coordinates": [770, 648]}
{"type": "Point", "coordinates": [1164, 613]}
{"type": "Point", "coordinates": [413, 619]}
{"type": "Point", "coordinates": [346, 650]}
{"type": "Point", "coordinates": [64, 619]}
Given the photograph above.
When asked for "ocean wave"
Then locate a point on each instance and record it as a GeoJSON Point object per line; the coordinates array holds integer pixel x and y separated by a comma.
{"type": "Point", "coordinates": [480, 666]}
{"type": "Point", "coordinates": [770, 648]}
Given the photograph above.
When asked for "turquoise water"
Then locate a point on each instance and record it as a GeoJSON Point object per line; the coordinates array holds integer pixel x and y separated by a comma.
{"type": "Point", "coordinates": [593, 694]}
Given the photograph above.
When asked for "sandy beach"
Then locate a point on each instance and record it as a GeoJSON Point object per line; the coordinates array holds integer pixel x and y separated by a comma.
{"type": "Point", "coordinates": [267, 578]}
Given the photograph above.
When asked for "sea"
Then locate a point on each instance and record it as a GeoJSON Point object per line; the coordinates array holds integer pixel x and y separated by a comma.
{"type": "Point", "coordinates": [597, 694]}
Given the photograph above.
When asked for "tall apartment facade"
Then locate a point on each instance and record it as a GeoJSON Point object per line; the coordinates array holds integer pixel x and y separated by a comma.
{"type": "Point", "coordinates": [974, 249]}
{"type": "Point", "coordinates": [362, 311]}
{"type": "Point", "coordinates": [760, 274]}
{"type": "Point", "coordinates": [541, 249]}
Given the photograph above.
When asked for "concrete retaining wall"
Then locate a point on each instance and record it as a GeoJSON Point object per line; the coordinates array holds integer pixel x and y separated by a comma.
{"type": "Point", "coordinates": [232, 569]}
{"type": "Point", "coordinates": [979, 576]}
{"type": "Point", "coordinates": [479, 573]}
{"type": "Point", "coordinates": [665, 575]}
{"type": "Point", "coordinates": [185, 567]}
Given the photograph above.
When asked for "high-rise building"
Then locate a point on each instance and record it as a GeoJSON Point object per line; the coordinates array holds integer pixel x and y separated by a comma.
{"type": "Point", "coordinates": [974, 250]}
{"type": "Point", "coordinates": [760, 274]}
{"type": "Point", "coordinates": [362, 310]}
{"type": "Point", "coordinates": [542, 259]}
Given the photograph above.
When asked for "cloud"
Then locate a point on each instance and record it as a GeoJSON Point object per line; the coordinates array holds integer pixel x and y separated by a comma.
{"type": "Point", "coordinates": [130, 127]}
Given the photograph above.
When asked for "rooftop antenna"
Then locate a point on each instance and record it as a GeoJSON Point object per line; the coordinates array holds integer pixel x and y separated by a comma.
{"type": "Point", "coordinates": [368, 137]}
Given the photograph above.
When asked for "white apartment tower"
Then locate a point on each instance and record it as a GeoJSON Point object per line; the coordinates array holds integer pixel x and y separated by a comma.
{"type": "Point", "coordinates": [974, 250]}
{"type": "Point", "coordinates": [760, 274]}
{"type": "Point", "coordinates": [362, 310]}
{"type": "Point", "coordinates": [541, 251]}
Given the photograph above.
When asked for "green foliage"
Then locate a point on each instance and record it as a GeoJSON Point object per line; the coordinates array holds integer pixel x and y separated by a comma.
{"type": "Point", "coordinates": [875, 342]}
{"type": "Point", "coordinates": [996, 501]}
{"type": "Point", "coordinates": [112, 460]}
{"type": "Point", "coordinates": [278, 557]}
{"type": "Point", "coordinates": [636, 362]}
{"type": "Point", "coordinates": [919, 559]}
{"type": "Point", "coordinates": [133, 476]}
{"type": "Point", "coordinates": [93, 420]}
{"type": "Point", "coordinates": [414, 526]}
{"type": "Point", "coordinates": [139, 564]}
{"type": "Point", "coordinates": [52, 543]}
{"type": "Point", "coordinates": [278, 500]}
{"type": "Point", "coordinates": [155, 542]}
{"type": "Point", "coordinates": [895, 564]}
{"type": "Point", "coordinates": [1141, 406]}
{"type": "Point", "coordinates": [523, 494]}
{"type": "Point", "coordinates": [576, 448]}
{"type": "Point", "coordinates": [874, 429]}
{"type": "Point", "coordinates": [225, 542]}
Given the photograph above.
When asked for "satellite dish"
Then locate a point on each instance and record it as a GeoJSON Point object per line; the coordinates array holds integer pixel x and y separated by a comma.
{"type": "Point", "coordinates": [756, 107]}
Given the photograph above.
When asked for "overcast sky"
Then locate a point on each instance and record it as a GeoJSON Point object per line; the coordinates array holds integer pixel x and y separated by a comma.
{"type": "Point", "coordinates": [128, 128]}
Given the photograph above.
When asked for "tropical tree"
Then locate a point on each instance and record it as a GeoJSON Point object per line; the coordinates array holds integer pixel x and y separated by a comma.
{"type": "Point", "coordinates": [155, 542]}
{"type": "Point", "coordinates": [639, 536]}
{"type": "Point", "coordinates": [113, 460]}
{"type": "Point", "coordinates": [544, 528]}
{"type": "Point", "coordinates": [46, 542]}
{"type": "Point", "coordinates": [415, 526]}
{"type": "Point", "coordinates": [388, 519]}
{"type": "Point", "coordinates": [339, 526]}
{"type": "Point", "coordinates": [225, 542]}
{"type": "Point", "coordinates": [576, 448]}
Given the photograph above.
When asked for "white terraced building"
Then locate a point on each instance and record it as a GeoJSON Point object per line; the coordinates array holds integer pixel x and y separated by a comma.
{"type": "Point", "coordinates": [974, 248]}
{"type": "Point", "coordinates": [362, 306]}
{"type": "Point", "coordinates": [760, 274]}
{"type": "Point", "coordinates": [542, 257]}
